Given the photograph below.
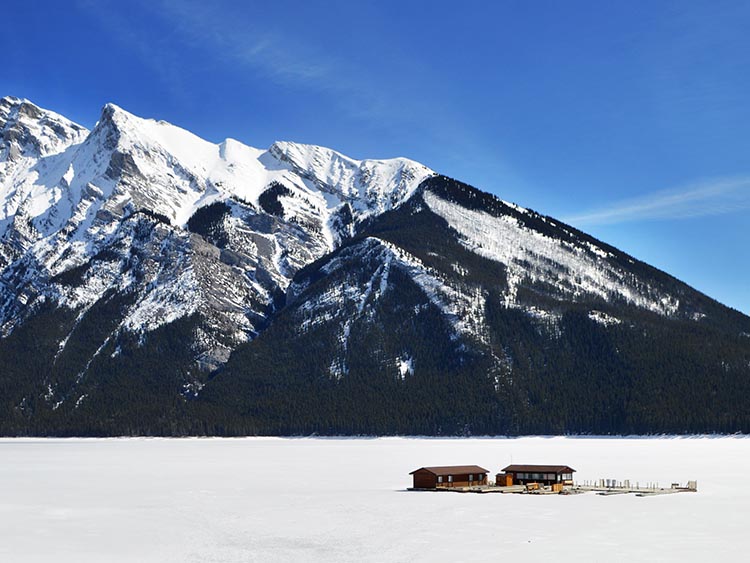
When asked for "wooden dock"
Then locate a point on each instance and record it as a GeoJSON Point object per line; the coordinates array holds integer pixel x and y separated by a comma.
{"type": "Point", "coordinates": [608, 487]}
{"type": "Point", "coordinates": [603, 487]}
{"type": "Point", "coordinates": [480, 489]}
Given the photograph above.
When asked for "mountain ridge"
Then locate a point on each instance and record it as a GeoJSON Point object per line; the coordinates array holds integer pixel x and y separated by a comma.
{"type": "Point", "coordinates": [127, 164]}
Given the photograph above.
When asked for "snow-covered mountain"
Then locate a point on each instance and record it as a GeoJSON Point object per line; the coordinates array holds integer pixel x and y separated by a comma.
{"type": "Point", "coordinates": [169, 278]}
{"type": "Point", "coordinates": [113, 206]}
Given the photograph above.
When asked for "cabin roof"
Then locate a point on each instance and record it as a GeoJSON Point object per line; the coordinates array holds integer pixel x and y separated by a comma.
{"type": "Point", "coordinates": [452, 470]}
{"type": "Point", "coordinates": [539, 469]}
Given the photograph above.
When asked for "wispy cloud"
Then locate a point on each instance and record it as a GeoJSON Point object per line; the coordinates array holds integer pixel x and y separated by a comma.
{"type": "Point", "coordinates": [253, 47]}
{"type": "Point", "coordinates": [245, 45]}
{"type": "Point", "coordinates": [243, 42]}
{"type": "Point", "coordinates": [714, 197]}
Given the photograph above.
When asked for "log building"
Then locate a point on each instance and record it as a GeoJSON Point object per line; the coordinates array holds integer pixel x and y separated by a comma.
{"type": "Point", "coordinates": [449, 476]}
{"type": "Point", "coordinates": [542, 474]}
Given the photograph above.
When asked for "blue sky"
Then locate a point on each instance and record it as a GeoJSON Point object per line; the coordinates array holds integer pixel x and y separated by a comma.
{"type": "Point", "coordinates": [629, 120]}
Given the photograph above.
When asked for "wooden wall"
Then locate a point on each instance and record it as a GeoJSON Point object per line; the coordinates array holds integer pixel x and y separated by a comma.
{"type": "Point", "coordinates": [504, 480]}
{"type": "Point", "coordinates": [423, 479]}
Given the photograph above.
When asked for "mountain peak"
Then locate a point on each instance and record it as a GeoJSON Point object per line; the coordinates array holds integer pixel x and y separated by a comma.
{"type": "Point", "coordinates": [9, 101]}
{"type": "Point", "coordinates": [113, 117]}
{"type": "Point", "coordinates": [29, 130]}
{"type": "Point", "coordinates": [15, 102]}
{"type": "Point", "coordinates": [109, 110]}
{"type": "Point", "coordinates": [372, 185]}
{"type": "Point", "coordinates": [16, 110]}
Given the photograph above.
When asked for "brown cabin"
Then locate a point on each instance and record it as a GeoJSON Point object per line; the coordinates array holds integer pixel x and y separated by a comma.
{"type": "Point", "coordinates": [542, 474]}
{"type": "Point", "coordinates": [449, 476]}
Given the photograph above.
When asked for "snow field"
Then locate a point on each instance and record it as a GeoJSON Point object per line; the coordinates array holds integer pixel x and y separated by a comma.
{"type": "Point", "coordinates": [275, 499]}
{"type": "Point", "coordinates": [530, 253]}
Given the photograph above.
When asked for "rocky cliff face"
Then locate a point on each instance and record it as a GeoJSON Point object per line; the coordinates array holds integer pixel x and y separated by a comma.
{"type": "Point", "coordinates": [181, 225]}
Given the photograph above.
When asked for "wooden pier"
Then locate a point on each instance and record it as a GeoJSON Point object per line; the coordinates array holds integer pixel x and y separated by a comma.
{"type": "Point", "coordinates": [481, 489]}
{"type": "Point", "coordinates": [608, 487]}
{"type": "Point", "coordinates": [603, 487]}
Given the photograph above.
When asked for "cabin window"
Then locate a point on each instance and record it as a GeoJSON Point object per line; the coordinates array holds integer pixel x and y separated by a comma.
{"type": "Point", "coordinates": [471, 477]}
{"type": "Point", "coordinates": [440, 478]}
{"type": "Point", "coordinates": [450, 478]}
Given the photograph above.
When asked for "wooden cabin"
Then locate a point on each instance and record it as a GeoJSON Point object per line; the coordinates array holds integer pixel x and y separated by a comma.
{"type": "Point", "coordinates": [449, 476]}
{"type": "Point", "coordinates": [542, 474]}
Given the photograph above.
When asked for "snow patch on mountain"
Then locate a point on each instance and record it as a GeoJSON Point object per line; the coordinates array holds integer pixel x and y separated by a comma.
{"type": "Point", "coordinates": [462, 305]}
{"type": "Point", "coordinates": [405, 366]}
{"type": "Point", "coordinates": [603, 318]}
{"type": "Point", "coordinates": [531, 257]}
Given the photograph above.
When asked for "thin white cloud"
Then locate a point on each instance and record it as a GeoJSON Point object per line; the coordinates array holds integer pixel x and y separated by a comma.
{"type": "Point", "coordinates": [268, 51]}
{"type": "Point", "coordinates": [254, 47]}
{"type": "Point", "coordinates": [247, 46]}
{"type": "Point", "coordinates": [236, 42]}
{"type": "Point", "coordinates": [713, 197]}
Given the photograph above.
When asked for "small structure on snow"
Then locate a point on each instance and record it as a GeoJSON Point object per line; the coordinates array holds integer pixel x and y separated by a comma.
{"type": "Point", "coordinates": [542, 474]}
{"type": "Point", "coordinates": [449, 476]}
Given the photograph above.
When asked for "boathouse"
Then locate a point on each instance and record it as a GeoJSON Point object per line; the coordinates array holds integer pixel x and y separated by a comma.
{"type": "Point", "coordinates": [449, 476]}
{"type": "Point", "coordinates": [542, 474]}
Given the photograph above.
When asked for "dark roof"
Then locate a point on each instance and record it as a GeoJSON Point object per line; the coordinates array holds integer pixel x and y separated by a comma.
{"type": "Point", "coordinates": [453, 470]}
{"type": "Point", "coordinates": [539, 469]}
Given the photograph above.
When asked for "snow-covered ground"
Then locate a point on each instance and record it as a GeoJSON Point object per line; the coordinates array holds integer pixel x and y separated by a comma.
{"type": "Point", "coordinates": [275, 499]}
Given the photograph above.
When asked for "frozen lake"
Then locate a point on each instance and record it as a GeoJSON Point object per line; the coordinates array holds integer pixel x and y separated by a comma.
{"type": "Point", "coordinates": [276, 499]}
